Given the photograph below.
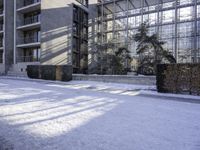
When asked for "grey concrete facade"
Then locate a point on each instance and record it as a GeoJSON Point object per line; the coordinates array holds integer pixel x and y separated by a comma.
{"type": "Point", "coordinates": [42, 33]}
{"type": "Point", "coordinates": [56, 32]}
{"type": "Point", "coordinates": [129, 79]}
{"type": "Point", "coordinates": [6, 34]}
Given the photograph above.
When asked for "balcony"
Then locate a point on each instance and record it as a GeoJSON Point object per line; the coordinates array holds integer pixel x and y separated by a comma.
{"type": "Point", "coordinates": [1, 28]}
{"type": "Point", "coordinates": [28, 59]}
{"type": "Point", "coordinates": [29, 6]}
{"type": "Point", "coordinates": [30, 23]}
{"type": "Point", "coordinates": [1, 12]}
{"type": "Point", "coordinates": [1, 56]}
{"type": "Point", "coordinates": [29, 42]}
{"type": "Point", "coordinates": [30, 2]}
{"type": "Point", "coordinates": [1, 43]}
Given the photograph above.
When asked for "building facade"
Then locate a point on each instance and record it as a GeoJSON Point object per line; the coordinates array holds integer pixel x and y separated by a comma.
{"type": "Point", "coordinates": [6, 34]}
{"type": "Point", "coordinates": [64, 32]}
{"type": "Point", "coordinates": [177, 22]}
{"type": "Point", "coordinates": [46, 32]}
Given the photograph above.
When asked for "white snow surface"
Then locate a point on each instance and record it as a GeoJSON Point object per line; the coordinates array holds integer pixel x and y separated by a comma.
{"type": "Point", "coordinates": [95, 116]}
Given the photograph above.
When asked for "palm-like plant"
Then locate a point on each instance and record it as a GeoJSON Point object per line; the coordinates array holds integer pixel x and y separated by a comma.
{"type": "Point", "coordinates": [110, 58]}
{"type": "Point", "coordinates": [150, 50]}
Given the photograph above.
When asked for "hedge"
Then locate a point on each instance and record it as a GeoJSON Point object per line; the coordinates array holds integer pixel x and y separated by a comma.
{"type": "Point", "coordinates": [50, 72]}
{"type": "Point", "coordinates": [178, 78]}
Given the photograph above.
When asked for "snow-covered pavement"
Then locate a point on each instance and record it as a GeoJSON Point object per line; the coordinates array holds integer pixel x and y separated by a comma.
{"type": "Point", "coordinates": [94, 116]}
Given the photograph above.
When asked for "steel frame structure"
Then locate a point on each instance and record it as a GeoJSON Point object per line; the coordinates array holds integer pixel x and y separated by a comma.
{"type": "Point", "coordinates": [111, 12]}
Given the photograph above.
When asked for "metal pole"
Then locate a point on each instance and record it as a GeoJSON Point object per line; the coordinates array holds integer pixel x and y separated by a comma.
{"type": "Point", "coordinates": [142, 10]}
{"type": "Point", "coordinates": [127, 24]}
{"type": "Point", "coordinates": [195, 32]}
{"type": "Point", "coordinates": [176, 42]}
{"type": "Point", "coordinates": [102, 22]}
{"type": "Point", "coordinates": [114, 21]}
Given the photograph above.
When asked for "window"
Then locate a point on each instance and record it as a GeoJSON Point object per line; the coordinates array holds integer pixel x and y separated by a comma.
{"type": "Point", "coordinates": [184, 2]}
{"type": "Point", "coordinates": [185, 13]}
{"type": "Point", "coordinates": [1, 25]}
{"type": "Point", "coordinates": [31, 18]}
{"type": "Point", "coordinates": [1, 56]}
{"type": "Point", "coordinates": [84, 2]}
{"type": "Point", "coordinates": [30, 55]}
{"type": "Point", "coordinates": [80, 36]}
{"type": "Point", "coordinates": [75, 29]}
{"type": "Point", "coordinates": [168, 16]}
{"type": "Point", "coordinates": [75, 13]}
{"type": "Point", "coordinates": [1, 41]}
{"type": "Point", "coordinates": [29, 2]}
{"type": "Point", "coordinates": [1, 9]}
{"type": "Point", "coordinates": [31, 36]}
{"type": "Point", "coordinates": [186, 29]}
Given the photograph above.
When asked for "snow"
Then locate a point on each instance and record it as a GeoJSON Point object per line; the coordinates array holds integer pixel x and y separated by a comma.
{"type": "Point", "coordinates": [95, 116]}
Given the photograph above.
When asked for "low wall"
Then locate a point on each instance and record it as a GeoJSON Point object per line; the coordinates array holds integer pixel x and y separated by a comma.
{"type": "Point", "coordinates": [50, 72]}
{"type": "Point", "coordinates": [128, 79]}
{"type": "Point", "coordinates": [2, 69]}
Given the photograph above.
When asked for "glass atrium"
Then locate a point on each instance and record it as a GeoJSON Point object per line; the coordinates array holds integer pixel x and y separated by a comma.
{"type": "Point", "coordinates": [177, 22]}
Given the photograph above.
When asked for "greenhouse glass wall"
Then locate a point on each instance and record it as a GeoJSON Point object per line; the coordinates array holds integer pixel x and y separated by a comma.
{"type": "Point", "coordinates": [176, 22]}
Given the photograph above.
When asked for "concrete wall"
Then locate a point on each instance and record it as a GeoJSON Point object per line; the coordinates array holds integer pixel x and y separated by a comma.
{"type": "Point", "coordinates": [93, 24]}
{"type": "Point", "coordinates": [56, 32]}
{"type": "Point", "coordinates": [128, 79]}
{"type": "Point", "coordinates": [56, 29]}
{"type": "Point", "coordinates": [2, 69]}
{"type": "Point", "coordinates": [20, 68]}
{"type": "Point", "coordinates": [8, 35]}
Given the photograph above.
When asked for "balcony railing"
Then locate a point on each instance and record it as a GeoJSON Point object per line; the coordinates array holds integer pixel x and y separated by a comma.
{"type": "Point", "coordinates": [29, 40]}
{"type": "Point", "coordinates": [1, 11]}
{"type": "Point", "coordinates": [1, 57]}
{"type": "Point", "coordinates": [1, 26]}
{"type": "Point", "coordinates": [1, 43]}
{"type": "Point", "coordinates": [31, 20]}
{"type": "Point", "coordinates": [28, 59]}
{"type": "Point", "coordinates": [30, 2]}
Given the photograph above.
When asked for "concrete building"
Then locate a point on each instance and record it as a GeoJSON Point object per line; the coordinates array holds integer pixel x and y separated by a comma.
{"type": "Point", "coordinates": [6, 34]}
{"type": "Point", "coordinates": [47, 32]}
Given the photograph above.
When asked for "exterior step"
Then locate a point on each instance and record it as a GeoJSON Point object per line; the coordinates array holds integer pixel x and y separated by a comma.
{"type": "Point", "coordinates": [16, 74]}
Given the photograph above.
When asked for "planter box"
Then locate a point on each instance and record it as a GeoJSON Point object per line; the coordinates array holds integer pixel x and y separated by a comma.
{"type": "Point", "coordinates": [50, 72]}
{"type": "Point", "coordinates": [178, 78]}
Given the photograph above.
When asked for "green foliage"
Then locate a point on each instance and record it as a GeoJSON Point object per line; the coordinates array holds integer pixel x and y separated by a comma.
{"type": "Point", "coordinates": [110, 58]}
{"type": "Point", "coordinates": [178, 78]}
{"type": "Point", "coordinates": [150, 50]}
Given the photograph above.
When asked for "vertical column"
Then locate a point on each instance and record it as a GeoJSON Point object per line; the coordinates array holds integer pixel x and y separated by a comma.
{"type": "Point", "coordinates": [176, 28]}
{"type": "Point", "coordinates": [127, 25]}
{"type": "Point", "coordinates": [158, 17]}
{"type": "Point", "coordinates": [142, 11]}
{"type": "Point", "coordinates": [102, 19]}
{"type": "Point", "coordinates": [195, 31]}
{"type": "Point", "coordinates": [14, 52]}
{"type": "Point", "coordinates": [4, 31]}
{"type": "Point", "coordinates": [114, 19]}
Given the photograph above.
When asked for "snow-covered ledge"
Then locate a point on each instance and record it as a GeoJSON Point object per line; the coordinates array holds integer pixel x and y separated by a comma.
{"type": "Point", "coordinates": [128, 79]}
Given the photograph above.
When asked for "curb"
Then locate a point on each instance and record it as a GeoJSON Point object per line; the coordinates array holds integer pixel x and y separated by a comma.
{"type": "Point", "coordinates": [147, 92]}
{"type": "Point", "coordinates": [179, 97]}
